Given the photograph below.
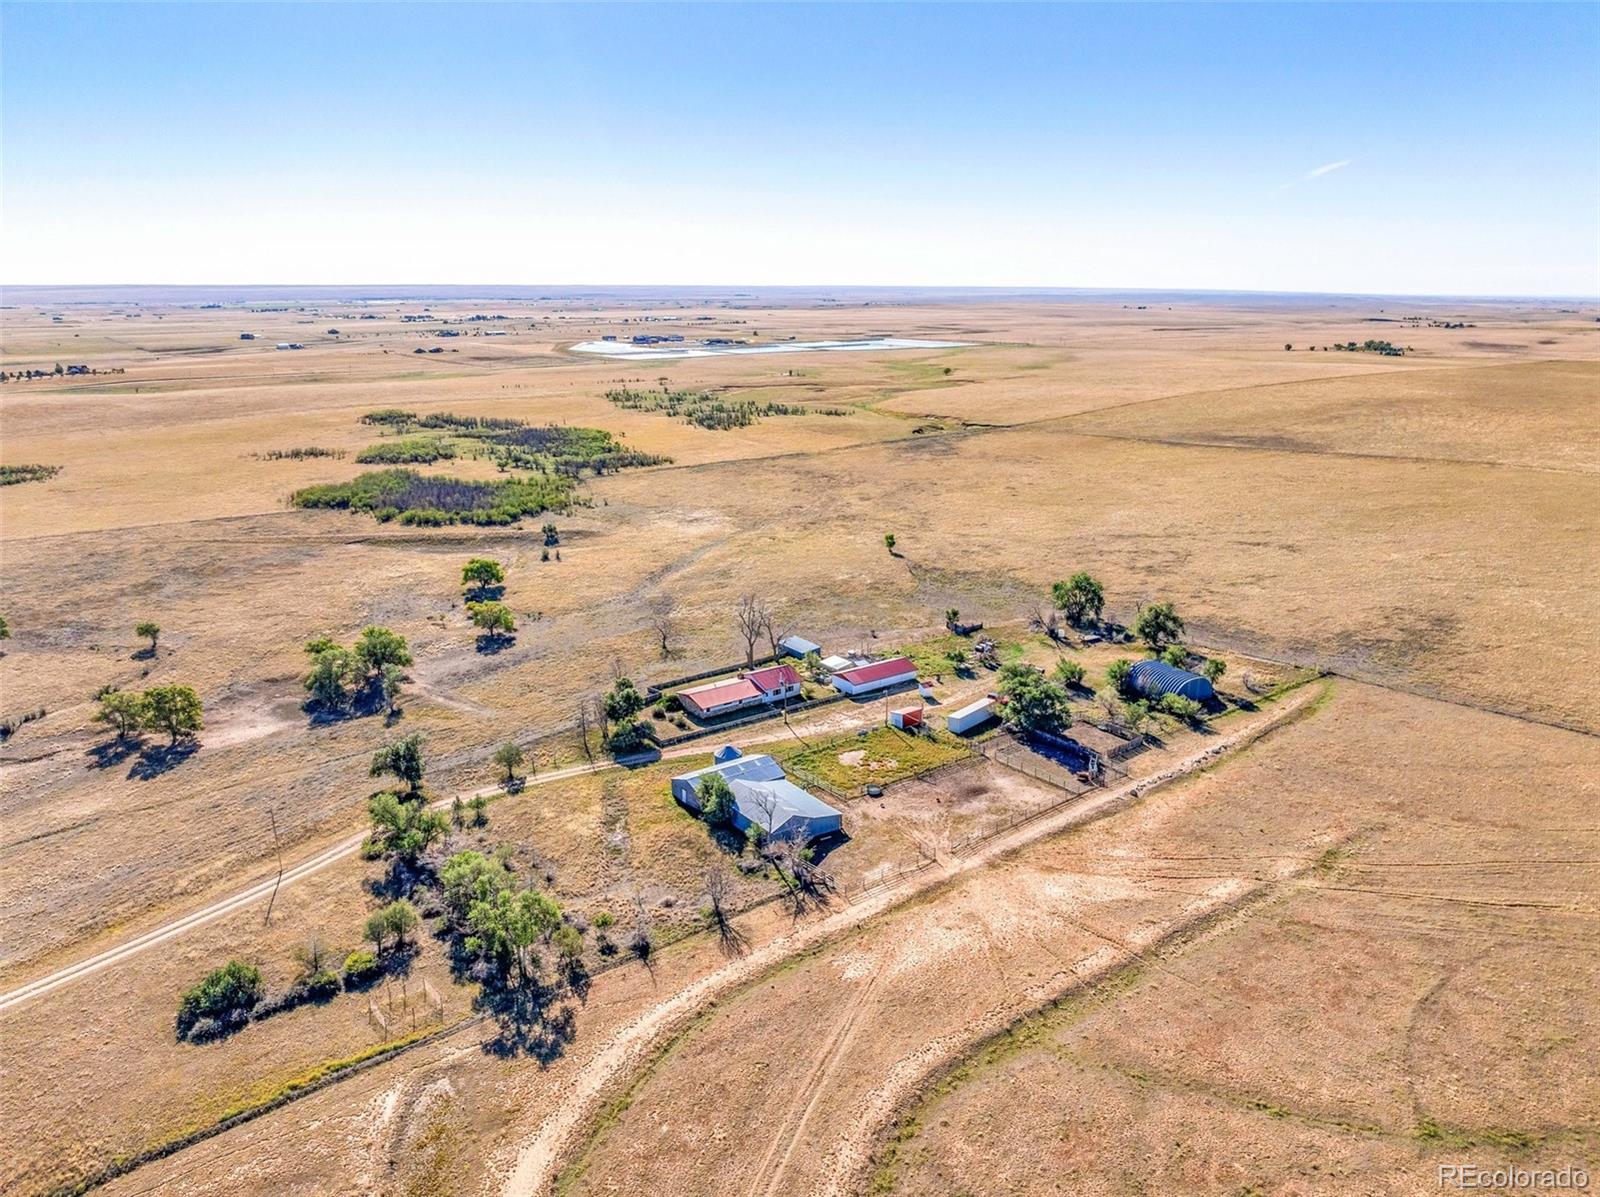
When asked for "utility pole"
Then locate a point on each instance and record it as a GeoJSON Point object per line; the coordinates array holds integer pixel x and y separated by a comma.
{"type": "Point", "coordinates": [278, 848]}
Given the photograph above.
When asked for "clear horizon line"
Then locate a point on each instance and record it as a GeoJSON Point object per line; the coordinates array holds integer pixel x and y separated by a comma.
{"type": "Point", "coordinates": [1039, 288]}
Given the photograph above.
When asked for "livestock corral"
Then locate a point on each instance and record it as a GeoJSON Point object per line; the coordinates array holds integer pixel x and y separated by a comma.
{"type": "Point", "coordinates": [1198, 738]}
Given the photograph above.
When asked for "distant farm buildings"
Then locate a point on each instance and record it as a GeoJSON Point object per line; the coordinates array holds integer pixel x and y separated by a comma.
{"type": "Point", "coordinates": [762, 797]}
{"type": "Point", "coordinates": [1156, 679]}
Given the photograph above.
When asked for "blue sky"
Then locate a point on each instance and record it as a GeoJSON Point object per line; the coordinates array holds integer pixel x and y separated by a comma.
{"type": "Point", "coordinates": [1139, 145]}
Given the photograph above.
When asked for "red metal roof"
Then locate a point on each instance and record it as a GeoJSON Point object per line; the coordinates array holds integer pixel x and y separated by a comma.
{"type": "Point", "coordinates": [877, 671]}
{"type": "Point", "coordinates": [774, 677]}
{"type": "Point", "coordinates": [719, 694]}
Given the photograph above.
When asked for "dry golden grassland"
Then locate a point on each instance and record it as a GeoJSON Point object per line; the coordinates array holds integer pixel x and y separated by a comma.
{"type": "Point", "coordinates": [1426, 522]}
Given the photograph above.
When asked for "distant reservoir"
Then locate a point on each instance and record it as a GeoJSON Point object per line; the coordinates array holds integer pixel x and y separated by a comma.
{"type": "Point", "coordinates": [625, 349]}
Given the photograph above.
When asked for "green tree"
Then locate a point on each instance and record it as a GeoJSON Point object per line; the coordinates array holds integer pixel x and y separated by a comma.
{"type": "Point", "coordinates": [148, 631]}
{"type": "Point", "coordinates": [403, 828]}
{"type": "Point", "coordinates": [495, 619]}
{"type": "Point", "coordinates": [1069, 672]}
{"type": "Point", "coordinates": [1158, 625]}
{"type": "Point", "coordinates": [127, 713]}
{"type": "Point", "coordinates": [391, 678]}
{"type": "Point", "coordinates": [1175, 655]}
{"type": "Point", "coordinates": [1033, 701]}
{"type": "Point", "coordinates": [402, 759]}
{"type": "Point", "coordinates": [480, 809]}
{"type": "Point", "coordinates": [888, 541]}
{"type": "Point", "coordinates": [1179, 707]}
{"type": "Point", "coordinates": [952, 617]}
{"type": "Point", "coordinates": [716, 800]}
{"type": "Point", "coordinates": [1117, 672]}
{"type": "Point", "coordinates": [471, 877]}
{"type": "Point", "coordinates": [509, 757]}
{"type": "Point", "coordinates": [320, 644]}
{"type": "Point", "coordinates": [227, 994]}
{"type": "Point", "coordinates": [5, 628]}
{"type": "Point", "coordinates": [1136, 715]}
{"type": "Point", "coordinates": [359, 965]}
{"type": "Point", "coordinates": [506, 927]}
{"type": "Point", "coordinates": [1213, 668]}
{"type": "Point", "coordinates": [1080, 597]}
{"type": "Point", "coordinates": [394, 922]}
{"type": "Point", "coordinates": [622, 702]}
{"type": "Point", "coordinates": [482, 574]}
{"type": "Point", "coordinates": [333, 674]}
{"type": "Point", "coordinates": [377, 647]}
{"type": "Point", "coordinates": [175, 710]}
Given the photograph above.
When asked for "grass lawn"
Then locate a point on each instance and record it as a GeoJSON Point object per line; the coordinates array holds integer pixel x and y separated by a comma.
{"type": "Point", "coordinates": [883, 755]}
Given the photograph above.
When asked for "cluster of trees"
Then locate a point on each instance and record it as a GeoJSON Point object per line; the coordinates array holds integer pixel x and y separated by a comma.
{"type": "Point", "coordinates": [1034, 702]}
{"type": "Point", "coordinates": [376, 663]}
{"type": "Point", "coordinates": [500, 923]}
{"type": "Point", "coordinates": [175, 710]}
{"type": "Point", "coordinates": [621, 728]}
{"type": "Point", "coordinates": [483, 580]}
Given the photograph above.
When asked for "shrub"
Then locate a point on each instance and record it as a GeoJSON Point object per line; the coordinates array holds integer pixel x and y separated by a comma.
{"type": "Point", "coordinates": [417, 500]}
{"type": "Point", "coordinates": [1117, 672]}
{"type": "Point", "coordinates": [1179, 707]}
{"type": "Point", "coordinates": [320, 985]}
{"type": "Point", "coordinates": [227, 995]}
{"type": "Point", "coordinates": [360, 965]}
{"type": "Point", "coordinates": [422, 450]}
{"type": "Point", "coordinates": [1069, 672]}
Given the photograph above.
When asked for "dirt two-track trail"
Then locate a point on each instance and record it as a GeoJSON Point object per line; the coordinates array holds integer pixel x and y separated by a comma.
{"type": "Point", "coordinates": [539, 1159]}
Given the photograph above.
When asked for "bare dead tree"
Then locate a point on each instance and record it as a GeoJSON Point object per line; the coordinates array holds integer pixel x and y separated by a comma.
{"type": "Point", "coordinates": [584, 727]}
{"type": "Point", "coordinates": [752, 618]}
{"type": "Point", "coordinates": [665, 627]}
{"type": "Point", "coordinates": [719, 894]}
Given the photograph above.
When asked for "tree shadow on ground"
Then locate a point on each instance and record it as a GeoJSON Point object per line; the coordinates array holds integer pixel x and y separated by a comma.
{"type": "Point", "coordinates": [529, 1023]}
{"type": "Point", "coordinates": [368, 700]}
{"type": "Point", "coordinates": [489, 643]}
{"type": "Point", "coordinates": [112, 753]}
{"type": "Point", "coordinates": [485, 594]}
{"type": "Point", "coordinates": [143, 654]}
{"type": "Point", "coordinates": [153, 762]}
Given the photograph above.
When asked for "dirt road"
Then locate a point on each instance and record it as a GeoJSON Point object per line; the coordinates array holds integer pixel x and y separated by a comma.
{"type": "Point", "coordinates": [263, 890]}
{"type": "Point", "coordinates": [539, 1158]}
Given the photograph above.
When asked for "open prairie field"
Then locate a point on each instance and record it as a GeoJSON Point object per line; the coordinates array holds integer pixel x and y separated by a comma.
{"type": "Point", "coordinates": [1424, 526]}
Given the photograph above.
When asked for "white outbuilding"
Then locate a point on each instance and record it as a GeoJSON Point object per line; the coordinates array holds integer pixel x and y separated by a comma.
{"type": "Point", "coordinates": [974, 714]}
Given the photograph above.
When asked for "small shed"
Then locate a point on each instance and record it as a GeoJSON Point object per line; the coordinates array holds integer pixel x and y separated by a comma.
{"type": "Point", "coordinates": [906, 718]}
{"type": "Point", "coordinates": [798, 646]}
{"type": "Point", "coordinates": [1157, 679]}
{"type": "Point", "coordinates": [974, 714]}
{"type": "Point", "coordinates": [725, 754]}
{"type": "Point", "coordinates": [835, 663]}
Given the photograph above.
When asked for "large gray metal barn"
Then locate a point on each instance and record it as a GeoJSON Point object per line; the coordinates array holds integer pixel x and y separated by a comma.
{"type": "Point", "coordinates": [1157, 679]}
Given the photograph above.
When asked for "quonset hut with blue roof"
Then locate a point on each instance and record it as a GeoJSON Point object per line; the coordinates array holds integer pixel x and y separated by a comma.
{"type": "Point", "coordinates": [1156, 679]}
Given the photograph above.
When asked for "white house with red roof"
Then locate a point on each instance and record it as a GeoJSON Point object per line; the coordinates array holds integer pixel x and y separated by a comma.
{"type": "Point", "coordinates": [877, 675]}
{"type": "Point", "coordinates": [775, 683]}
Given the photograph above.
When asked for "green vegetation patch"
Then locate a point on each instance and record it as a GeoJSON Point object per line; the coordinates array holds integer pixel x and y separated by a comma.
{"type": "Point", "coordinates": [11, 475]}
{"type": "Point", "coordinates": [510, 444]}
{"type": "Point", "coordinates": [420, 450]}
{"type": "Point", "coordinates": [705, 409]}
{"type": "Point", "coordinates": [884, 755]}
{"type": "Point", "coordinates": [412, 498]}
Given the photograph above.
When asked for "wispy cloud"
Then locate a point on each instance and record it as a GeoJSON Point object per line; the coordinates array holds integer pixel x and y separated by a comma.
{"type": "Point", "coordinates": [1327, 168]}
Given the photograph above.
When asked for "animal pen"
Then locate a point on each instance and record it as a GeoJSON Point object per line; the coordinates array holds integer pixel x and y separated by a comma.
{"type": "Point", "coordinates": [400, 1009]}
